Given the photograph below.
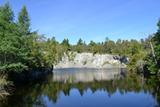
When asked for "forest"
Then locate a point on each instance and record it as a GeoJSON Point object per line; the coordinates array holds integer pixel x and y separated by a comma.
{"type": "Point", "coordinates": [24, 50]}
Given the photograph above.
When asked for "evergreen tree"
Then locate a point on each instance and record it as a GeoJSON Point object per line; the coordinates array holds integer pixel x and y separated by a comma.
{"type": "Point", "coordinates": [11, 51]}
{"type": "Point", "coordinates": [6, 13]}
{"type": "Point", "coordinates": [156, 40]}
{"type": "Point", "coordinates": [153, 59]}
{"type": "Point", "coordinates": [24, 21]}
{"type": "Point", "coordinates": [65, 42]}
{"type": "Point", "coordinates": [80, 42]}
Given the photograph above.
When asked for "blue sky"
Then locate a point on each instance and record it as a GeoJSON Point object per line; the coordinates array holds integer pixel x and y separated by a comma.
{"type": "Point", "coordinates": [91, 19]}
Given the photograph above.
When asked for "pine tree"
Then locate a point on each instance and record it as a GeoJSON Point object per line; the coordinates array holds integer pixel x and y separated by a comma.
{"type": "Point", "coordinates": [11, 51]}
{"type": "Point", "coordinates": [156, 39]}
{"type": "Point", "coordinates": [6, 13]}
{"type": "Point", "coordinates": [24, 21]}
{"type": "Point", "coordinates": [153, 61]}
{"type": "Point", "coordinates": [80, 42]}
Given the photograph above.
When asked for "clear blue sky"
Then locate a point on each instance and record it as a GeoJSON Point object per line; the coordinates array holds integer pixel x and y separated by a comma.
{"type": "Point", "coordinates": [91, 19]}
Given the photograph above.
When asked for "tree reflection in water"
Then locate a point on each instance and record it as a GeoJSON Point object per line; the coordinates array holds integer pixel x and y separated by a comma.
{"type": "Point", "coordinates": [57, 84]}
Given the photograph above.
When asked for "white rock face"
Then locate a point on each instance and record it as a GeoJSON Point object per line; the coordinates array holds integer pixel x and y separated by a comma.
{"type": "Point", "coordinates": [88, 60]}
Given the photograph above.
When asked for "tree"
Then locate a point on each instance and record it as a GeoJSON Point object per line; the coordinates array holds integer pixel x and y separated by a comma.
{"type": "Point", "coordinates": [153, 61]}
{"type": "Point", "coordinates": [66, 45]}
{"type": "Point", "coordinates": [156, 40]}
{"type": "Point", "coordinates": [80, 42]}
{"type": "Point", "coordinates": [109, 46]}
{"type": "Point", "coordinates": [65, 42]}
{"type": "Point", "coordinates": [11, 50]}
{"type": "Point", "coordinates": [24, 21]}
{"type": "Point", "coordinates": [6, 13]}
{"type": "Point", "coordinates": [50, 52]}
{"type": "Point", "coordinates": [92, 47]}
{"type": "Point", "coordinates": [80, 46]}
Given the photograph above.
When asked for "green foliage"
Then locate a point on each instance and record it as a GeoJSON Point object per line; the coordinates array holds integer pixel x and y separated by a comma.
{"type": "Point", "coordinates": [71, 56]}
{"type": "Point", "coordinates": [153, 59]}
{"type": "Point", "coordinates": [3, 86]}
{"type": "Point", "coordinates": [80, 42]}
{"type": "Point", "coordinates": [21, 49]}
{"type": "Point", "coordinates": [50, 52]}
{"type": "Point", "coordinates": [6, 13]}
{"type": "Point", "coordinates": [11, 43]}
{"type": "Point", "coordinates": [52, 90]}
{"type": "Point", "coordinates": [24, 21]}
{"type": "Point", "coordinates": [14, 67]}
{"type": "Point", "coordinates": [109, 46]}
{"type": "Point", "coordinates": [65, 44]}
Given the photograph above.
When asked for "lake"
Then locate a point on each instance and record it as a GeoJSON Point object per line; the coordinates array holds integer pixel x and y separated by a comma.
{"type": "Point", "coordinates": [75, 87]}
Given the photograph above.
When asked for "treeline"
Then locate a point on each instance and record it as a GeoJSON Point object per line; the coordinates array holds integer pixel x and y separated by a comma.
{"type": "Point", "coordinates": [135, 50]}
{"type": "Point", "coordinates": [23, 50]}
{"type": "Point", "coordinates": [144, 55]}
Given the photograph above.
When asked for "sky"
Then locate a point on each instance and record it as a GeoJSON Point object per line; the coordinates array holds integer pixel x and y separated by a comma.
{"type": "Point", "coordinates": [91, 19]}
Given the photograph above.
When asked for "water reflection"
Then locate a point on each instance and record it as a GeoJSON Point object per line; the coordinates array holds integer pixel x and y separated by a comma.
{"type": "Point", "coordinates": [86, 90]}
{"type": "Point", "coordinates": [73, 75]}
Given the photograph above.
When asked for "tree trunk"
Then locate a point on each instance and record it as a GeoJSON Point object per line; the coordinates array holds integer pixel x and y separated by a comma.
{"type": "Point", "coordinates": [153, 53]}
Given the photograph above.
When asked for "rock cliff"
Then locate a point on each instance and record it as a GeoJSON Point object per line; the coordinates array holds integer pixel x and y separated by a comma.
{"type": "Point", "coordinates": [90, 60]}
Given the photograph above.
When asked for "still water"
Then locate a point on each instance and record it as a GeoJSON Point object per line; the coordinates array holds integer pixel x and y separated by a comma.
{"type": "Point", "coordinates": [87, 88]}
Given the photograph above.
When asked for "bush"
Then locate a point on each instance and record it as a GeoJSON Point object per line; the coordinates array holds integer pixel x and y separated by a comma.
{"type": "Point", "coordinates": [3, 84]}
{"type": "Point", "coordinates": [15, 67]}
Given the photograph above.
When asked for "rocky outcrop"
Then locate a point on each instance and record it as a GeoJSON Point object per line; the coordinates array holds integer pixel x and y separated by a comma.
{"type": "Point", "coordinates": [89, 60]}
